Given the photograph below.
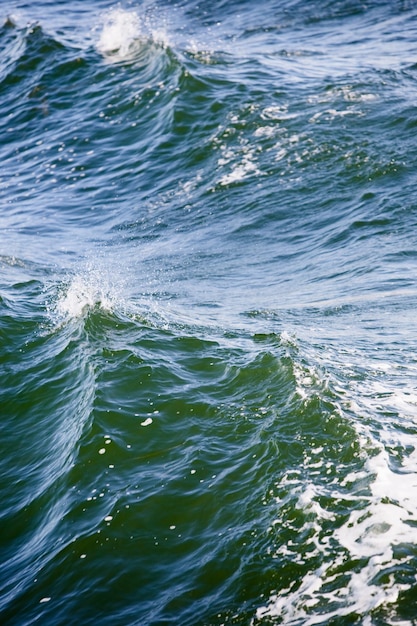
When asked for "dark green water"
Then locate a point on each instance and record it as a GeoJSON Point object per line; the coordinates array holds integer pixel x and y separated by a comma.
{"type": "Point", "coordinates": [207, 313]}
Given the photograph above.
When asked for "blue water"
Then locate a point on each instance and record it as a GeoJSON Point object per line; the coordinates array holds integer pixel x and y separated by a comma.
{"type": "Point", "coordinates": [207, 313]}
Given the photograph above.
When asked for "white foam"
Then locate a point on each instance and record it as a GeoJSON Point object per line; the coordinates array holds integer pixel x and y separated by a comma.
{"type": "Point", "coordinates": [370, 534]}
{"type": "Point", "coordinates": [331, 114]}
{"type": "Point", "coordinates": [383, 493]}
{"type": "Point", "coordinates": [245, 167]}
{"type": "Point", "coordinates": [277, 113]}
{"type": "Point", "coordinates": [123, 33]}
{"type": "Point", "coordinates": [86, 290]}
{"type": "Point", "coordinates": [348, 93]}
{"type": "Point", "coordinates": [80, 296]}
{"type": "Point", "coordinates": [239, 172]}
{"type": "Point", "coordinates": [120, 31]}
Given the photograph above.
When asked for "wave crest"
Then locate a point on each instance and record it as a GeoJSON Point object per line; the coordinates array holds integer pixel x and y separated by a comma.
{"type": "Point", "coordinates": [124, 33]}
{"type": "Point", "coordinates": [83, 293]}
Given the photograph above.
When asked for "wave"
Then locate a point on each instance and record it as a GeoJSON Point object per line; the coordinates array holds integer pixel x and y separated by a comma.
{"type": "Point", "coordinates": [114, 391]}
{"type": "Point", "coordinates": [128, 398]}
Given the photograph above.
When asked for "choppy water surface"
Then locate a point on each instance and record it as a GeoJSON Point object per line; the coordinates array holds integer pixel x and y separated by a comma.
{"type": "Point", "coordinates": [207, 313]}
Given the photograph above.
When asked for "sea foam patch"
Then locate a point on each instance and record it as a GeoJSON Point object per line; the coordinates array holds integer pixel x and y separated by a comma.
{"type": "Point", "coordinates": [374, 538]}
{"type": "Point", "coordinates": [372, 547]}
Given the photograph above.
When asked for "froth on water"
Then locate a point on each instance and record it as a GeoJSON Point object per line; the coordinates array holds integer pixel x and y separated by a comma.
{"type": "Point", "coordinates": [88, 289]}
{"type": "Point", "coordinates": [123, 33]}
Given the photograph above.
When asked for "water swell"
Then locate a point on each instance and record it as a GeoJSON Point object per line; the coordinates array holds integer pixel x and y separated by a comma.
{"type": "Point", "coordinates": [141, 413]}
{"type": "Point", "coordinates": [243, 394]}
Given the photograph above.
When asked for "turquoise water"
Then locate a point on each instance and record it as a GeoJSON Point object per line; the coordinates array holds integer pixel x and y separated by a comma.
{"type": "Point", "coordinates": [207, 313]}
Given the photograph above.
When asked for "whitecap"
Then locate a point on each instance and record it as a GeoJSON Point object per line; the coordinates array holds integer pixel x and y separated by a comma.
{"type": "Point", "coordinates": [82, 293]}
{"type": "Point", "coordinates": [123, 33]}
{"type": "Point", "coordinates": [88, 289]}
{"type": "Point", "coordinates": [120, 31]}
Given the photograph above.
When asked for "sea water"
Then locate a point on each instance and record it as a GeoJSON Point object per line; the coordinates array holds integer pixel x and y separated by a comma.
{"type": "Point", "coordinates": [208, 403]}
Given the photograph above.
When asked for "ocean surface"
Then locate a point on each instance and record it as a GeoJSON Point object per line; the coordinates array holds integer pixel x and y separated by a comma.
{"type": "Point", "coordinates": [208, 293]}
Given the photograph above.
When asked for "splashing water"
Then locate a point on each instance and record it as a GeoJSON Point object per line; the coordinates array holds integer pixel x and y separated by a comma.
{"type": "Point", "coordinates": [121, 29]}
{"type": "Point", "coordinates": [124, 33]}
{"type": "Point", "coordinates": [83, 293]}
